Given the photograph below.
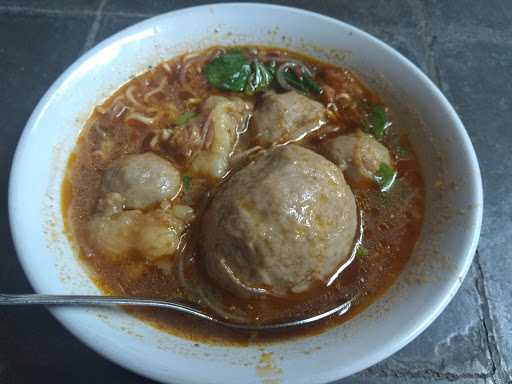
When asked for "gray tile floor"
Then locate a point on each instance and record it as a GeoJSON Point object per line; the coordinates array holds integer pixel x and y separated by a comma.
{"type": "Point", "coordinates": [464, 46]}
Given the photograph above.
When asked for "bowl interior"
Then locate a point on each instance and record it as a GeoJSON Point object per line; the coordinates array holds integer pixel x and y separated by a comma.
{"type": "Point", "coordinates": [440, 261]}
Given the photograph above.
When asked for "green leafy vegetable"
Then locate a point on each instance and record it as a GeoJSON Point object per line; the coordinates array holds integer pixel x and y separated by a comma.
{"type": "Point", "coordinates": [229, 71]}
{"type": "Point", "coordinates": [312, 84]}
{"type": "Point", "coordinates": [361, 251]}
{"type": "Point", "coordinates": [303, 83]}
{"type": "Point", "coordinates": [234, 72]}
{"type": "Point", "coordinates": [292, 80]}
{"type": "Point", "coordinates": [378, 121]}
{"type": "Point", "coordinates": [185, 117]}
{"type": "Point", "coordinates": [271, 67]}
{"type": "Point", "coordinates": [259, 79]}
{"type": "Point", "coordinates": [186, 182]}
{"type": "Point", "coordinates": [385, 176]}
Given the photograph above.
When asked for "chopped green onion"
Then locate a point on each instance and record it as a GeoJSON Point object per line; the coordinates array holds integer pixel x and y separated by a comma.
{"type": "Point", "coordinates": [361, 251]}
{"type": "Point", "coordinates": [185, 117]}
{"type": "Point", "coordinates": [186, 182]}
{"type": "Point", "coordinates": [377, 121]}
{"type": "Point", "coordinates": [385, 177]}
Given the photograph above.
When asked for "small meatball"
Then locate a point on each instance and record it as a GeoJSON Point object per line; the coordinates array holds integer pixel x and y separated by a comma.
{"type": "Point", "coordinates": [152, 235]}
{"type": "Point", "coordinates": [359, 155]}
{"type": "Point", "coordinates": [142, 179]}
{"type": "Point", "coordinates": [280, 224]}
{"type": "Point", "coordinates": [286, 117]}
{"type": "Point", "coordinates": [226, 117]}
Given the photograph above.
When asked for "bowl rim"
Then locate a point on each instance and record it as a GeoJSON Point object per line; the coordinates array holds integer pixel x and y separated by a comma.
{"type": "Point", "coordinates": [379, 353]}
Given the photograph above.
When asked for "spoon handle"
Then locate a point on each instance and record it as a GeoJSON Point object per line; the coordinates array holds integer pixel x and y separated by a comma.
{"type": "Point", "coordinates": [29, 299]}
{"type": "Point", "coordinates": [39, 299]}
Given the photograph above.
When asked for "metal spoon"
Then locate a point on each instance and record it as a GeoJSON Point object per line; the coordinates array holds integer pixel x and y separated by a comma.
{"type": "Point", "coordinates": [29, 299]}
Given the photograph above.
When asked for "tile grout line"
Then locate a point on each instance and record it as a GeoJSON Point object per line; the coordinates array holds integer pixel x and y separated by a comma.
{"type": "Point", "coordinates": [95, 27]}
{"type": "Point", "coordinates": [31, 11]}
{"type": "Point", "coordinates": [34, 11]}
{"type": "Point", "coordinates": [424, 19]}
{"type": "Point", "coordinates": [430, 40]}
{"type": "Point", "coordinates": [498, 374]}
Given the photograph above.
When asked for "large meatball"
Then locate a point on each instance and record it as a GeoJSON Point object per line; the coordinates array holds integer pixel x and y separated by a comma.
{"type": "Point", "coordinates": [280, 224]}
{"type": "Point", "coordinates": [142, 180]}
{"type": "Point", "coordinates": [286, 117]}
{"type": "Point", "coordinates": [358, 155]}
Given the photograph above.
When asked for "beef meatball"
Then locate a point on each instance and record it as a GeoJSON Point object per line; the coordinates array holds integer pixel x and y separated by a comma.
{"type": "Point", "coordinates": [358, 155]}
{"type": "Point", "coordinates": [277, 226]}
{"type": "Point", "coordinates": [142, 180]}
{"type": "Point", "coordinates": [286, 117]}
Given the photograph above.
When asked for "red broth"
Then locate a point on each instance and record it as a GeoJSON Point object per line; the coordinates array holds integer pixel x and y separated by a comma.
{"type": "Point", "coordinates": [391, 220]}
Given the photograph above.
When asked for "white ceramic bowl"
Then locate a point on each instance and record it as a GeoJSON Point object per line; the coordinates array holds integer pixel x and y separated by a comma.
{"type": "Point", "coordinates": [437, 268]}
